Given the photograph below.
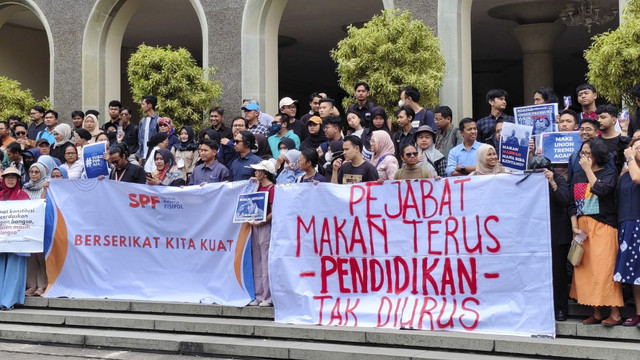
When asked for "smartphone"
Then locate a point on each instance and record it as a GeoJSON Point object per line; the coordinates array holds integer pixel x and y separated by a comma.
{"type": "Point", "coordinates": [149, 175]}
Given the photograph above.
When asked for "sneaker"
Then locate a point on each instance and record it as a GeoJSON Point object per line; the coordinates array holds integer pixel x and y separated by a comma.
{"type": "Point", "coordinates": [632, 321]}
{"type": "Point", "coordinates": [265, 304]}
{"type": "Point", "coordinates": [255, 302]}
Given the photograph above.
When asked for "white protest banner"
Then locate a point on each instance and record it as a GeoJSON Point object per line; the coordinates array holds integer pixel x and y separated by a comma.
{"type": "Point", "coordinates": [22, 226]}
{"type": "Point", "coordinates": [457, 254]}
{"type": "Point", "coordinates": [514, 146]}
{"type": "Point", "coordinates": [129, 241]}
{"type": "Point", "coordinates": [541, 117]}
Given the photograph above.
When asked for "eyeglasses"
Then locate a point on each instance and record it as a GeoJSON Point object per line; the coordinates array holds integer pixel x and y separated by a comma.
{"type": "Point", "coordinates": [163, 125]}
{"type": "Point", "coordinates": [19, 133]}
{"type": "Point", "coordinates": [587, 130]}
{"type": "Point", "coordinates": [115, 162]}
{"type": "Point", "coordinates": [585, 153]}
{"type": "Point", "coordinates": [411, 154]}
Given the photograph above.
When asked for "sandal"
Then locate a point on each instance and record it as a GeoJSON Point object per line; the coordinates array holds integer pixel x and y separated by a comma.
{"type": "Point", "coordinates": [612, 322]}
{"type": "Point", "coordinates": [591, 320]}
{"type": "Point", "coordinates": [30, 291]}
{"type": "Point", "coordinates": [38, 292]}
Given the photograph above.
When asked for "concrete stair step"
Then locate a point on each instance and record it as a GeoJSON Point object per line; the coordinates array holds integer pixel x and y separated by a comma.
{"type": "Point", "coordinates": [177, 308]}
{"type": "Point", "coordinates": [229, 346]}
{"type": "Point", "coordinates": [620, 341]}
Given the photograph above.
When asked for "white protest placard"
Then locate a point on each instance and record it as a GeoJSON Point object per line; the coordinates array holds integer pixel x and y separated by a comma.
{"type": "Point", "coordinates": [22, 226]}
{"type": "Point", "coordinates": [542, 118]}
{"type": "Point", "coordinates": [514, 146]}
{"type": "Point", "coordinates": [119, 240]}
{"type": "Point", "coordinates": [425, 254]}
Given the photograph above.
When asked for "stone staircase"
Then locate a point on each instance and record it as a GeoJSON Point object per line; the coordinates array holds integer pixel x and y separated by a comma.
{"type": "Point", "coordinates": [250, 332]}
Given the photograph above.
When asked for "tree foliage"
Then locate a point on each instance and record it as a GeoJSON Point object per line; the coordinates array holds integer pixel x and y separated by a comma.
{"type": "Point", "coordinates": [184, 90]}
{"type": "Point", "coordinates": [614, 58]}
{"type": "Point", "coordinates": [15, 101]}
{"type": "Point", "coordinates": [389, 52]}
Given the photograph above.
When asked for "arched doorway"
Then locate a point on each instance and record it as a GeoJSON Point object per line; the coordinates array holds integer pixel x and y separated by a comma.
{"type": "Point", "coordinates": [307, 33]}
{"type": "Point", "coordinates": [498, 56]}
{"type": "Point", "coordinates": [114, 30]}
{"type": "Point", "coordinates": [264, 20]}
{"type": "Point", "coordinates": [26, 47]}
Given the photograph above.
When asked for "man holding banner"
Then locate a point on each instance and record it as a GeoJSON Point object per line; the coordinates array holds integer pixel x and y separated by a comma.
{"type": "Point", "coordinates": [124, 170]}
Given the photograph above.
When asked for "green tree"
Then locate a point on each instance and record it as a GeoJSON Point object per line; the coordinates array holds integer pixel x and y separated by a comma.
{"type": "Point", "coordinates": [15, 101]}
{"type": "Point", "coordinates": [614, 58]}
{"type": "Point", "coordinates": [389, 52]}
{"type": "Point", "coordinates": [184, 90]}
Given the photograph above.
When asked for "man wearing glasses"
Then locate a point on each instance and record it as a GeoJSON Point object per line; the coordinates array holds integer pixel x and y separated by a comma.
{"type": "Point", "coordinates": [124, 170]}
{"type": "Point", "coordinates": [588, 130]}
{"type": "Point", "coordinates": [20, 131]}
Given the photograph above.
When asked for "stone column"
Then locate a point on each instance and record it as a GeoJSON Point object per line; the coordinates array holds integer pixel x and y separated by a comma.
{"type": "Point", "coordinates": [536, 41]}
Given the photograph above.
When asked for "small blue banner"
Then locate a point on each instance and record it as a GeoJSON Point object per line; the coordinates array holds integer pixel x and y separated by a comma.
{"type": "Point", "coordinates": [94, 163]}
{"type": "Point", "coordinates": [559, 146]}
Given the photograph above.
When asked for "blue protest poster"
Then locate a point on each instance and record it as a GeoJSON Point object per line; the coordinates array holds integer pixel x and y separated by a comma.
{"type": "Point", "coordinates": [94, 163]}
{"type": "Point", "coordinates": [251, 207]}
{"type": "Point", "coordinates": [559, 146]}
{"type": "Point", "coordinates": [541, 117]}
{"type": "Point", "coordinates": [514, 146]}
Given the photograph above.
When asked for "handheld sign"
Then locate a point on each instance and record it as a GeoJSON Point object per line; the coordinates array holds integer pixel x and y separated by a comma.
{"type": "Point", "coordinates": [541, 117]}
{"type": "Point", "coordinates": [251, 207]}
{"type": "Point", "coordinates": [559, 146]}
{"type": "Point", "coordinates": [94, 163]}
{"type": "Point", "coordinates": [22, 227]}
{"type": "Point", "coordinates": [514, 146]}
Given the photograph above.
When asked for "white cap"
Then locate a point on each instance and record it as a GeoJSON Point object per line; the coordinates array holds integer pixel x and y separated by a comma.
{"type": "Point", "coordinates": [286, 101]}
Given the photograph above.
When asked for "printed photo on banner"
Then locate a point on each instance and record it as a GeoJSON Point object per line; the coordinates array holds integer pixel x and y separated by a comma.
{"type": "Point", "coordinates": [514, 146]}
{"type": "Point", "coordinates": [251, 207]}
{"type": "Point", "coordinates": [22, 226]}
{"type": "Point", "coordinates": [94, 162]}
{"type": "Point", "coordinates": [558, 146]}
{"type": "Point", "coordinates": [541, 117]}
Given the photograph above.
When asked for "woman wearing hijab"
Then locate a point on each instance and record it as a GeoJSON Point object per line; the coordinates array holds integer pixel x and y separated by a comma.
{"type": "Point", "coordinates": [166, 126]}
{"type": "Point", "coordinates": [429, 157]}
{"type": "Point", "coordinates": [263, 150]}
{"type": "Point", "coordinates": [62, 133]}
{"type": "Point", "coordinates": [157, 141]}
{"type": "Point", "coordinates": [291, 171]}
{"type": "Point", "coordinates": [378, 122]}
{"type": "Point", "coordinates": [48, 163]}
{"type": "Point", "coordinates": [384, 155]}
{"type": "Point", "coordinates": [36, 270]}
{"type": "Point", "coordinates": [186, 151]}
{"type": "Point", "coordinates": [14, 276]}
{"type": "Point", "coordinates": [487, 161]}
{"type": "Point", "coordinates": [90, 124]}
{"type": "Point", "coordinates": [316, 134]}
{"type": "Point", "coordinates": [285, 145]}
{"type": "Point", "coordinates": [167, 172]}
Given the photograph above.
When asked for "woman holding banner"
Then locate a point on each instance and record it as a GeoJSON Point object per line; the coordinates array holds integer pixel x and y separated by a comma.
{"type": "Point", "coordinates": [627, 264]}
{"type": "Point", "coordinates": [487, 161]}
{"type": "Point", "coordinates": [261, 235]}
{"type": "Point", "coordinates": [593, 210]}
{"type": "Point", "coordinates": [13, 267]}
{"type": "Point", "coordinates": [36, 270]}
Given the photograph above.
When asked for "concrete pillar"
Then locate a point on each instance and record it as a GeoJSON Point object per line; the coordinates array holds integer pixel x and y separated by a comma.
{"type": "Point", "coordinates": [536, 41]}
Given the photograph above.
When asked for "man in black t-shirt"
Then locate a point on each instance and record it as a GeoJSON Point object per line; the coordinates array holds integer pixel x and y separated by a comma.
{"type": "Point", "coordinates": [124, 170]}
{"type": "Point", "coordinates": [355, 168]}
{"type": "Point", "coordinates": [614, 142]}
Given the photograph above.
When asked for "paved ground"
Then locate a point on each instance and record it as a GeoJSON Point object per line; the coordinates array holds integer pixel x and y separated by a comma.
{"type": "Point", "coordinates": [19, 351]}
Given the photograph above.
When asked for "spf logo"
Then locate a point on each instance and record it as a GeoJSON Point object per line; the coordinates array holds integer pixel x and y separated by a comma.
{"type": "Point", "coordinates": [143, 201]}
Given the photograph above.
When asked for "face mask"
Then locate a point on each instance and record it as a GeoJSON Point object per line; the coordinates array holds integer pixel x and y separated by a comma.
{"type": "Point", "coordinates": [283, 151]}
{"type": "Point", "coordinates": [400, 103]}
{"type": "Point", "coordinates": [276, 127]}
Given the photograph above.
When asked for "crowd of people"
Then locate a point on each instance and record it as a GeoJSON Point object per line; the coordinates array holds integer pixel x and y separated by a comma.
{"type": "Point", "coordinates": [597, 193]}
